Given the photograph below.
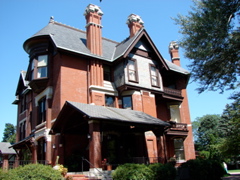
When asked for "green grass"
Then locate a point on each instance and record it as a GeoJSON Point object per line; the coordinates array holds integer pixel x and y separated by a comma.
{"type": "Point", "coordinates": [234, 171]}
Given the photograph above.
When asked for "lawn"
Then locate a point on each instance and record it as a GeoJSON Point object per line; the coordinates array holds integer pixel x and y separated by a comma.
{"type": "Point", "coordinates": [234, 171]}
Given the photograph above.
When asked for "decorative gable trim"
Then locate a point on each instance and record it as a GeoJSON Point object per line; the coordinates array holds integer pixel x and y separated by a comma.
{"type": "Point", "coordinates": [141, 34]}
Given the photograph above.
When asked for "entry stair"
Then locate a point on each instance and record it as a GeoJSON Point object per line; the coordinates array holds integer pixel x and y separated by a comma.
{"type": "Point", "coordinates": [105, 175]}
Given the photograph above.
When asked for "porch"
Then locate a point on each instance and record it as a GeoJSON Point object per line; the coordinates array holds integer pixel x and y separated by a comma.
{"type": "Point", "coordinates": [103, 136]}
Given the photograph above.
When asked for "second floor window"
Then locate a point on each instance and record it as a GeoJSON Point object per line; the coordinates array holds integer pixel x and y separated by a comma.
{"type": "Point", "coordinates": [110, 101]}
{"type": "Point", "coordinates": [154, 76]}
{"type": "Point", "coordinates": [127, 102]}
{"type": "Point", "coordinates": [132, 70]}
{"type": "Point", "coordinates": [175, 113]}
{"type": "Point", "coordinates": [42, 110]}
{"type": "Point", "coordinates": [107, 73]}
{"type": "Point", "coordinates": [22, 130]}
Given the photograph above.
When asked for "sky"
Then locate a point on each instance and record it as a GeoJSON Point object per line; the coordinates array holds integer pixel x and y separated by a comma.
{"type": "Point", "coordinates": [20, 19]}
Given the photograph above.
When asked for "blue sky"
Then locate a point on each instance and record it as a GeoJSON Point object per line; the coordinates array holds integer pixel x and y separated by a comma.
{"type": "Point", "coordinates": [20, 19]}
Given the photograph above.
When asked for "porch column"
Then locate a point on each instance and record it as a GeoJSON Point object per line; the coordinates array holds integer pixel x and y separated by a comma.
{"type": "Point", "coordinates": [95, 153]}
{"type": "Point", "coordinates": [5, 165]}
{"type": "Point", "coordinates": [162, 148]}
{"type": "Point", "coordinates": [34, 152]}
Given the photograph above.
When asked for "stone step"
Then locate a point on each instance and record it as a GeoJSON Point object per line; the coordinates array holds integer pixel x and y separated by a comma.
{"type": "Point", "coordinates": [76, 177]}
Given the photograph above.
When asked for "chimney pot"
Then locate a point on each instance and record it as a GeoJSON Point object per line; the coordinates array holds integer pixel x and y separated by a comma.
{"type": "Point", "coordinates": [173, 50]}
{"type": "Point", "coordinates": [135, 23]}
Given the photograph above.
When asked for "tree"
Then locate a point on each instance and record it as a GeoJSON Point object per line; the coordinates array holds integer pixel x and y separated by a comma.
{"type": "Point", "coordinates": [211, 41]}
{"type": "Point", "coordinates": [9, 134]}
{"type": "Point", "coordinates": [231, 122]}
{"type": "Point", "coordinates": [207, 133]}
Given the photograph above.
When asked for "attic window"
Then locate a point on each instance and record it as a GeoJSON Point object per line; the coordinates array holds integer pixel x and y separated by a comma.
{"type": "Point", "coordinates": [154, 73]}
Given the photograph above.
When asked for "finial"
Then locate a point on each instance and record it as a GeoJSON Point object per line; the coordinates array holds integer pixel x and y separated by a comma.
{"type": "Point", "coordinates": [51, 19]}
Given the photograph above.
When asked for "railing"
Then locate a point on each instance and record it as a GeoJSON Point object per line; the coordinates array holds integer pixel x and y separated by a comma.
{"type": "Point", "coordinates": [171, 91]}
{"type": "Point", "coordinates": [145, 160]}
{"type": "Point", "coordinates": [179, 127]}
{"type": "Point", "coordinates": [91, 165]}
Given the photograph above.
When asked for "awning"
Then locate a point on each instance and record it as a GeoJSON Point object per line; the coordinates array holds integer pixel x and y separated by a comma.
{"type": "Point", "coordinates": [23, 143]}
{"type": "Point", "coordinates": [106, 114]}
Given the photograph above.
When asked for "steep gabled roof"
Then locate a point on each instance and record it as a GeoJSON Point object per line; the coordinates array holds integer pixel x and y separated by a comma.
{"type": "Point", "coordinates": [124, 48]}
{"type": "Point", "coordinates": [74, 40]}
{"type": "Point", "coordinates": [22, 83]}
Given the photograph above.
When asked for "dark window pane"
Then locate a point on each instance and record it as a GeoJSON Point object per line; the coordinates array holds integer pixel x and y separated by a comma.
{"type": "Point", "coordinates": [127, 102]}
{"type": "Point", "coordinates": [110, 101]}
{"type": "Point", "coordinates": [107, 73]}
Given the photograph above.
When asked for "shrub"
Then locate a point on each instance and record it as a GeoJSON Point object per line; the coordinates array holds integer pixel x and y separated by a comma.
{"type": "Point", "coordinates": [33, 172]}
{"type": "Point", "coordinates": [163, 171]}
{"type": "Point", "coordinates": [132, 172]}
{"type": "Point", "coordinates": [199, 169]}
{"type": "Point", "coordinates": [2, 173]}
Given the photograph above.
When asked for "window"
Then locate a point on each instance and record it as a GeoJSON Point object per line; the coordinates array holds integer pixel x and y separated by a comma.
{"type": "Point", "coordinates": [42, 110]}
{"type": "Point", "coordinates": [22, 128]}
{"type": "Point", "coordinates": [42, 66]}
{"type": "Point", "coordinates": [107, 73]}
{"type": "Point", "coordinates": [23, 103]}
{"type": "Point", "coordinates": [109, 101]}
{"type": "Point", "coordinates": [41, 149]}
{"type": "Point", "coordinates": [154, 76]}
{"type": "Point", "coordinates": [179, 149]}
{"type": "Point", "coordinates": [127, 102]}
{"type": "Point", "coordinates": [32, 69]}
{"type": "Point", "coordinates": [39, 67]}
{"type": "Point", "coordinates": [175, 113]}
{"type": "Point", "coordinates": [132, 70]}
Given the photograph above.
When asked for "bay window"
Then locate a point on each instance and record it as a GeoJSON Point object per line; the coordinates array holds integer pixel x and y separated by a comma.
{"type": "Point", "coordinates": [39, 67]}
{"type": "Point", "coordinates": [179, 149]}
{"type": "Point", "coordinates": [42, 66]}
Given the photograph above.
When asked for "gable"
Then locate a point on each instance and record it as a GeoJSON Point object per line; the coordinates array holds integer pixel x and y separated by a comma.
{"type": "Point", "coordinates": [141, 41]}
{"type": "Point", "coordinates": [22, 83]}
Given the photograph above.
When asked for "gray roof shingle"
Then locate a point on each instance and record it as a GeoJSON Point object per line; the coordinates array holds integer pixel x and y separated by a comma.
{"type": "Point", "coordinates": [116, 114]}
{"type": "Point", "coordinates": [74, 40]}
{"type": "Point", "coordinates": [4, 148]}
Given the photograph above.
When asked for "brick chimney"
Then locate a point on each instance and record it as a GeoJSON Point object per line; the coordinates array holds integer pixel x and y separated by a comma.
{"type": "Point", "coordinates": [173, 50]}
{"type": "Point", "coordinates": [135, 23]}
{"type": "Point", "coordinates": [93, 15]}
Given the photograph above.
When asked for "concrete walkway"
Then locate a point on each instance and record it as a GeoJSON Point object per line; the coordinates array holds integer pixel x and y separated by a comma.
{"type": "Point", "coordinates": [234, 176]}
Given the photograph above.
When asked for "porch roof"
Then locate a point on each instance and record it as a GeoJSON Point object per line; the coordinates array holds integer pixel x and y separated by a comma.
{"type": "Point", "coordinates": [110, 114]}
{"type": "Point", "coordinates": [5, 148]}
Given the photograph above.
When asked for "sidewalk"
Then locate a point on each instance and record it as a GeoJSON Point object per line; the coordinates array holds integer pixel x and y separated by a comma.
{"type": "Point", "coordinates": [234, 176]}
